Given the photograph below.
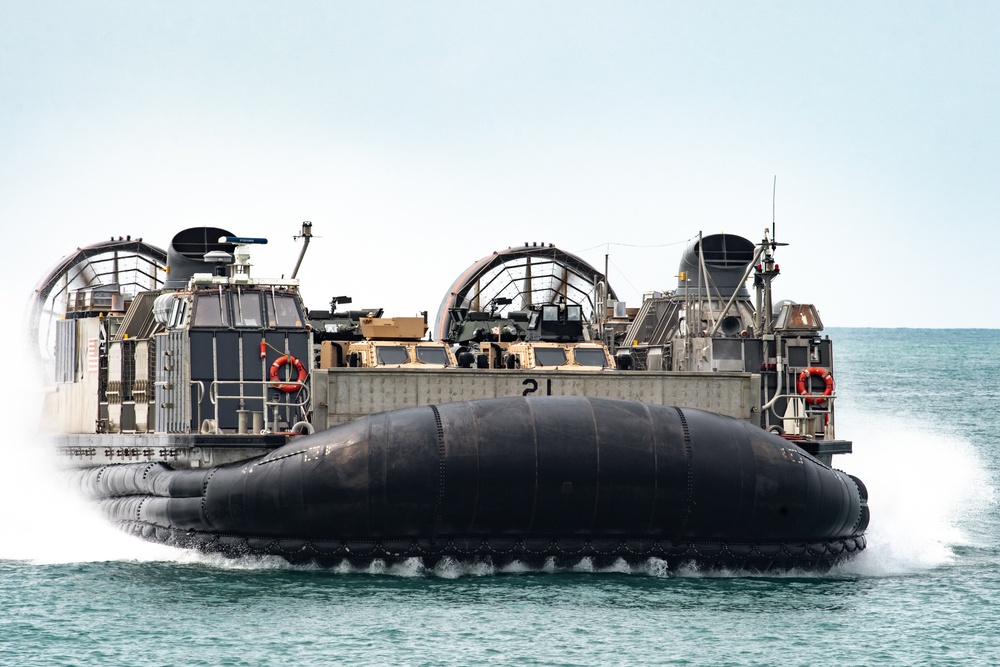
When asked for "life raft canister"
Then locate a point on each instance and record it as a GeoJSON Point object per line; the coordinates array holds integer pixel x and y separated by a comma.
{"type": "Point", "coordinates": [804, 388]}
{"type": "Point", "coordinates": [291, 361]}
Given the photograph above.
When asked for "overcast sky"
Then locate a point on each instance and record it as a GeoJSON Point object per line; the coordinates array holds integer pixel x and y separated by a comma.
{"type": "Point", "coordinates": [421, 136]}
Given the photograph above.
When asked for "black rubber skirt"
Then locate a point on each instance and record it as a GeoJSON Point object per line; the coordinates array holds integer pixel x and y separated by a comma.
{"type": "Point", "coordinates": [510, 479]}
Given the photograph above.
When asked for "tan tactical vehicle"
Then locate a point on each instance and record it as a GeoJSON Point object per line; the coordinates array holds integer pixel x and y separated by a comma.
{"type": "Point", "coordinates": [582, 356]}
{"type": "Point", "coordinates": [388, 342]}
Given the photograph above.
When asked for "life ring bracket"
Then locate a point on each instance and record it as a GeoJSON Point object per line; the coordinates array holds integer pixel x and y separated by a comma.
{"type": "Point", "coordinates": [287, 387]}
{"type": "Point", "coordinates": [803, 386]}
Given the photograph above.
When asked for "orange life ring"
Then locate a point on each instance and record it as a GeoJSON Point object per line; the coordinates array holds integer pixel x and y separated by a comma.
{"type": "Point", "coordinates": [804, 389]}
{"type": "Point", "coordinates": [291, 361]}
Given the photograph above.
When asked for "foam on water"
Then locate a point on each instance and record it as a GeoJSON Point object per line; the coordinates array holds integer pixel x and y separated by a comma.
{"type": "Point", "coordinates": [929, 492]}
{"type": "Point", "coordinates": [44, 520]}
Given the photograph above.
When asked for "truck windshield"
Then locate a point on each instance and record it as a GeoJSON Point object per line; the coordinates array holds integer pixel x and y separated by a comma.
{"type": "Point", "coordinates": [430, 354]}
{"type": "Point", "coordinates": [590, 356]}
{"type": "Point", "coordinates": [550, 356]}
{"type": "Point", "coordinates": [391, 354]}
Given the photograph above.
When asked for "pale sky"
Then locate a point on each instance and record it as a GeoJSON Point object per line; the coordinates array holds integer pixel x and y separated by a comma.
{"type": "Point", "coordinates": [421, 136]}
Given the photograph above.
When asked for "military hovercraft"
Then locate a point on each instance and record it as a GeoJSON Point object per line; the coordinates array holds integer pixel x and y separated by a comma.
{"type": "Point", "coordinates": [204, 407]}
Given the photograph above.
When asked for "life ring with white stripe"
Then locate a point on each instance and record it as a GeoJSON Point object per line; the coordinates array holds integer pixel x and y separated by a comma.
{"type": "Point", "coordinates": [804, 388]}
{"type": "Point", "coordinates": [294, 363]}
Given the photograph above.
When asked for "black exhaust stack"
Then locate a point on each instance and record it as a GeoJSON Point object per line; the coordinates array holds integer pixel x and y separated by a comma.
{"type": "Point", "coordinates": [726, 259]}
{"type": "Point", "coordinates": [186, 254]}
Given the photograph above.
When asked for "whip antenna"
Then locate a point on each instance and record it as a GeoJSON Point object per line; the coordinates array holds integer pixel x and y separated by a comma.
{"type": "Point", "coordinates": [774, 192]}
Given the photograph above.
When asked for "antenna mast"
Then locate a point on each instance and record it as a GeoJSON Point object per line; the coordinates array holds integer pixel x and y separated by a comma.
{"type": "Point", "coordinates": [307, 235]}
{"type": "Point", "coordinates": [774, 192]}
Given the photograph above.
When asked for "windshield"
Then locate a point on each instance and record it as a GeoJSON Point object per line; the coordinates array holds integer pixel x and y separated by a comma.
{"type": "Point", "coordinates": [430, 354]}
{"type": "Point", "coordinates": [590, 356]}
{"type": "Point", "coordinates": [391, 354]}
{"type": "Point", "coordinates": [208, 310]}
{"type": "Point", "coordinates": [282, 310]}
{"type": "Point", "coordinates": [550, 356]}
{"type": "Point", "coordinates": [246, 309]}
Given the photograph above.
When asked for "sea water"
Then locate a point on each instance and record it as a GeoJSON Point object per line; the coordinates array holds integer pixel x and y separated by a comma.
{"type": "Point", "coordinates": [920, 406]}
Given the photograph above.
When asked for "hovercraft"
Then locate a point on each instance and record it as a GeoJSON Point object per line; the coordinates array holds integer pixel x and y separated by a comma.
{"type": "Point", "coordinates": [214, 411]}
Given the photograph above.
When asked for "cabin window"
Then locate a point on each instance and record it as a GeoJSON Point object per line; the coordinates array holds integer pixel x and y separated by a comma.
{"type": "Point", "coordinates": [391, 354]}
{"type": "Point", "coordinates": [177, 312]}
{"type": "Point", "coordinates": [550, 356]}
{"type": "Point", "coordinates": [246, 309]}
{"type": "Point", "coordinates": [430, 354]}
{"type": "Point", "coordinates": [550, 313]}
{"type": "Point", "coordinates": [589, 356]}
{"type": "Point", "coordinates": [209, 310]}
{"type": "Point", "coordinates": [282, 310]}
{"type": "Point", "coordinates": [574, 313]}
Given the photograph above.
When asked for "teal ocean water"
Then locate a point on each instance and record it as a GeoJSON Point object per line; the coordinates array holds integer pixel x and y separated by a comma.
{"type": "Point", "coordinates": [920, 406]}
